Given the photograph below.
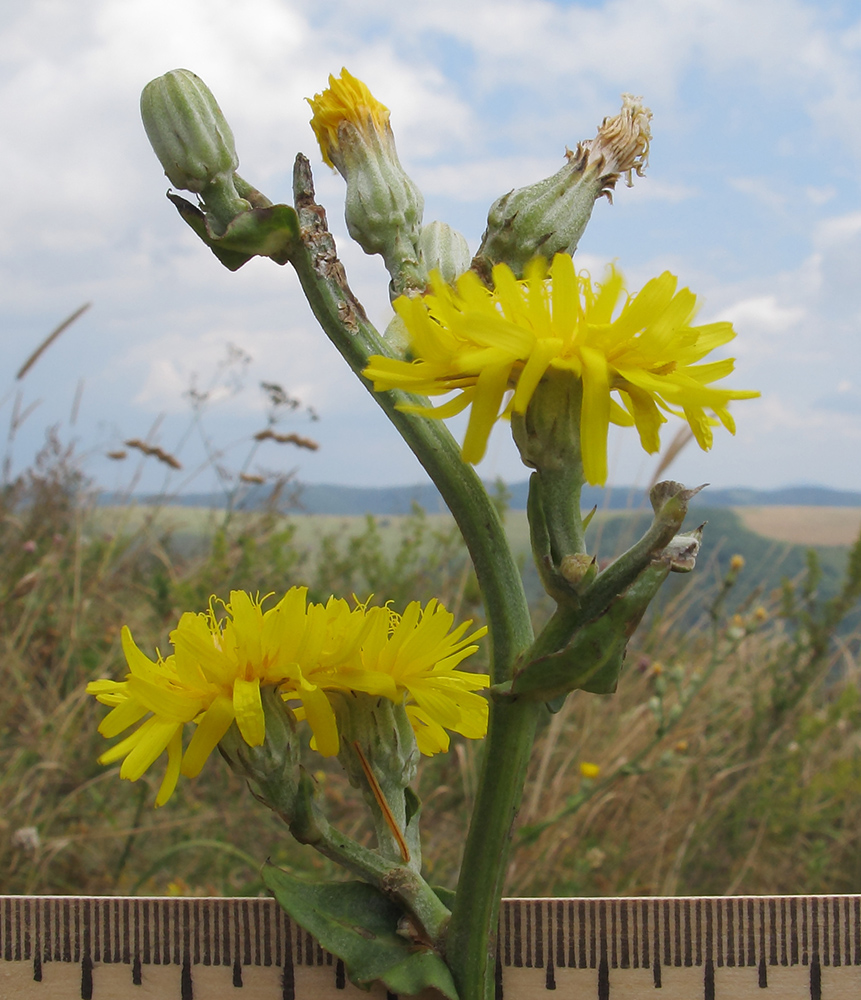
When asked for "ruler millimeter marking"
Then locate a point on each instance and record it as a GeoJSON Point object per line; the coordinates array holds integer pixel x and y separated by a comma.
{"type": "Point", "coordinates": [195, 949]}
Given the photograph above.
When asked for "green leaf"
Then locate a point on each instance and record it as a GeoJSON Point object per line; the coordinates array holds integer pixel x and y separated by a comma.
{"type": "Point", "coordinates": [265, 232]}
{"type": "Point", "coordinates": [591, 662]}
{"type": "Point", "coordinates": [358, 924]}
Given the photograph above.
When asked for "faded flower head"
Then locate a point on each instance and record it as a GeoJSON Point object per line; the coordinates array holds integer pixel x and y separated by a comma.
{"type": "Point", "coordinates": [621, 146]}
{"type": "Point", "coordinates": [549, 217]}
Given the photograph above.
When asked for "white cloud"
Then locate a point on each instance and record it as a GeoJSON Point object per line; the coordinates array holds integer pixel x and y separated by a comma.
{"type": "Point", "coordinates": [484, 96]}
{"type": "Point", "coordinates": [762, 314]}
{"type": "Point", "coordinates": [483, 180]}
{"type": "Point", "coordinates": [649, 189]}
{"type": "Point", "coordinates": [810, 424]}
{"type": "Point", "coordinates": [838, 230]}
{"type": "Point", "coordinates": [761, 190]}
{"type": "Point", "coordinates": [820, 195]}
{"type": "Point", "coordinates": [787, 44]}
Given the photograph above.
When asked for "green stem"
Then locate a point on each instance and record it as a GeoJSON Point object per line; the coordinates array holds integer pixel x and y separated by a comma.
{"type": "Point", "coordinates": [398, 881]}
{"type": "Point", "coordinates": [555, 635]}
{"type": "Point", "coordinates": [548, 438]}
{"type": "Point", "coordinates": [471, 940]}
{"type": "Point", "coordinates": [342, 318]}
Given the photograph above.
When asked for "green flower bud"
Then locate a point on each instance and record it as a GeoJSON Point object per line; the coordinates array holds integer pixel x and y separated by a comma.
{"type": "Point", "coordinates": [191, 137]}
{"type": "Point", "coordinates": [549, 217]}
{"type": "Point", "coordinates": [444, 249]}
{"type": "Point", "coordinates": [187, 130]}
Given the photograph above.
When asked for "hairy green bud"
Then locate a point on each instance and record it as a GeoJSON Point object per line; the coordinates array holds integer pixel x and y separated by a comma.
{"type": "Point", "coordinates": [191, 137]}
{"type": "Point", "coordinates": [444, 249]}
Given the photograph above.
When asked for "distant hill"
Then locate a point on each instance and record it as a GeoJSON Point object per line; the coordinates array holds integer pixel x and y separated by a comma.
{"type": "Point", "coordinates": [316, 498]}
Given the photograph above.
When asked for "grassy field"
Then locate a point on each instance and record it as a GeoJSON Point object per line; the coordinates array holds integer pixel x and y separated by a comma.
{"type": "Point", "coordinates": [730, 758]}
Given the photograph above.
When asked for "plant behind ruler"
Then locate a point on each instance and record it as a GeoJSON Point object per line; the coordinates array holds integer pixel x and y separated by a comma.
{"type": "Point", "coordinates": [514, 332]}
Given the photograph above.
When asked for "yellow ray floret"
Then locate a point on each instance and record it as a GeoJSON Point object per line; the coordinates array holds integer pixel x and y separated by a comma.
{"type": "Point", "coordinates": [310, 653]}
{"type": "Point", "coordinates": [640, 351]}
{"type": "Point", "coordinates": [345, 99]}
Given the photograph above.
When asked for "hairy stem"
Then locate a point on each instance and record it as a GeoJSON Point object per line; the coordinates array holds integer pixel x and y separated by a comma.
{"type": "Point", "coordinates": [343, 320]}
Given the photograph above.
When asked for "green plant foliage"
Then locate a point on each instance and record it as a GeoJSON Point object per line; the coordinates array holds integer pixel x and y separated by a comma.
{"type": "Point", "coordinates": [358, 924]}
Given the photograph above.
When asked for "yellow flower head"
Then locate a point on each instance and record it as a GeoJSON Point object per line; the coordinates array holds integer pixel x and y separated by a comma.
{"type": "Point", "coordinates": [309, 653]}
{"type": "Point", "coordinates": [642, 349]}
{"type": "Point", "coordinates": [420, 653]}
{"type": "Point", "coordinates": [345, 99]}
{"type": "Point", "coordinates": [409, 659]}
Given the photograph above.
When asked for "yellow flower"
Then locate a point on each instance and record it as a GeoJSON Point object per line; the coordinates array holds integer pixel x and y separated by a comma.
{"type": "Point", "coordinates": [588, 770]}
{"type": "Point", "coordinates": [345, 99]}
{"type": "Point", "coordinates": [642, 348]}
{"type": "Point", "coordinates": [157, 690]}
{"type": "Point", "coordinates": [409, 659]}
{"type": "Point", "coordinates": [235, 656]}
{"type": "Point", "coordinates": [307, 652]}
{"type": "Point", "coordinates": [213, 678]}
{"type": "Point", "coordinates": [383, 207]}
{"type": "Point", "coordinates": [420, 654]}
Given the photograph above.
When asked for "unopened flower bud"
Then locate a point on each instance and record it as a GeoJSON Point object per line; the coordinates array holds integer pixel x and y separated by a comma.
{"type": "Point", "coordinates": [549, 217]}
{"type": "Point", "coordinates": [383, 205]}
{"type": "Point", "coordinates": [191, 137]}
{"type": "Point", "coordinates": [444, 249]}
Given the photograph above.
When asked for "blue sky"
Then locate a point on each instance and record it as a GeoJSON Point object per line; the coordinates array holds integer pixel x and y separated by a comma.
{"type": "Point", "coordinates": [751, 197]}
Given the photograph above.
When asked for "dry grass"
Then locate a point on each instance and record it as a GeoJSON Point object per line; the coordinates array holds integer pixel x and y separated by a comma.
{"type": "Point", "coordinates": [728, 797]}
{"type": "Point", "coordinates": [804, 525]}
{"type": "Point", "coordinates": [730, 757]}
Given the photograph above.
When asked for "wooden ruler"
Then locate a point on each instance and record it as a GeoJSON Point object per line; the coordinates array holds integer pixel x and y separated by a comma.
{"type": "Point", "coordinates": [714, 948]}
